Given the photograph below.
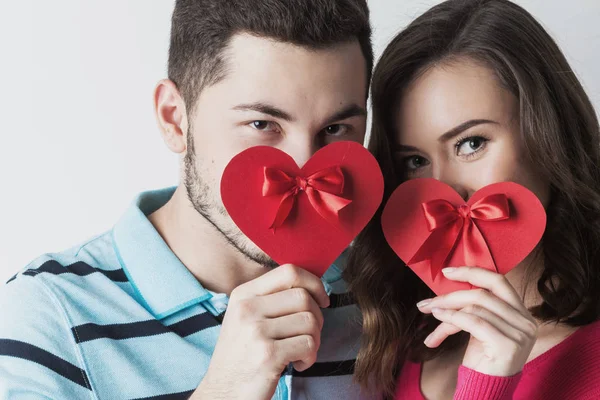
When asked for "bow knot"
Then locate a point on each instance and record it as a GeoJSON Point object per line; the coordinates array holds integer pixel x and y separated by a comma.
{"type": "Point", "coordinates": [448, 225]}
{"type": "Point", "coordinates": [301, 183]}
{"type": "Point", "coordinates": [464, 210]}
{"type": "Point", "coordinates": [323, 189]}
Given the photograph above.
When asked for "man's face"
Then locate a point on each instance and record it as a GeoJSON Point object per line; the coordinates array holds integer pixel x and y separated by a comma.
{"type": "Point", "coordinates": [273, 94]}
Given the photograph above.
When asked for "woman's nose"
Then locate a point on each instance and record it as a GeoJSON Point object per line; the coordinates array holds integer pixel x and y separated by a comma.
{"type": "Point", "coordinates": [448, 175]}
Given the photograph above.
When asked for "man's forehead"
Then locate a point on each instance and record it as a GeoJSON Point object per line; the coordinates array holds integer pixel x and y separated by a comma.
{"type": "Point", "coordinates": [295, 80]}
{"type": "Point", "coordinates": [267, 59]}
{"type": "Point", "coordinates": [258, 63]}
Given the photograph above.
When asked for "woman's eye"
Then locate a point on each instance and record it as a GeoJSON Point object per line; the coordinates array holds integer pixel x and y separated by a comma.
{"type": "Point", "coordinates": [263, 126]}
{"type": "Point", "coordinates": [470, 145]}
{"type": "Point", "coordinates": [415, 162]}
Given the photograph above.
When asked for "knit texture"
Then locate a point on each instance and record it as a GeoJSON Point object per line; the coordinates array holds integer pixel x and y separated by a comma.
{"type": "Point", "coordinates": [568, 371]}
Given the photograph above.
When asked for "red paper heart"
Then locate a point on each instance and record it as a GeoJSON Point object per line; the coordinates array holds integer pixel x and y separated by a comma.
{"type": "Point", "coordinates": [509, 241]}
{"type": "Point", "coordinates": [305, 238]}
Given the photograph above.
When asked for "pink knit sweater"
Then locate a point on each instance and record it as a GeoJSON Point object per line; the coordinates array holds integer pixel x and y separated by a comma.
{"type": "Point", "coordinates": [568, 371]}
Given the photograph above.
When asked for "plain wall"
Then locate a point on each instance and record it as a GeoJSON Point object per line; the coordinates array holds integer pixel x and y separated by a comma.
{"type": "Point", "coordinates": [78, 135]}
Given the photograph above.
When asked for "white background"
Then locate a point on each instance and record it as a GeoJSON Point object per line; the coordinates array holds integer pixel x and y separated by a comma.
{"type": "Point", "coordinates": [78, 138]}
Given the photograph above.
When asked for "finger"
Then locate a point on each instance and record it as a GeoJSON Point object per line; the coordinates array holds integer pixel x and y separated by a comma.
{"type": "Point", "coordinates": [501, 324]}
{"type": "Point", "coordinates": [440, 334]}
{"type": "Point", "coordinates": [311, 310]}
{"type": "Point", "coordinates": [291, 301]}
{"type": "Point", "coordinates": [475, 300]}
{"type": "Point", "coordinates": [299, 350]}
{"type": "Point", "coordinates": [304, 323]}
{"type": "Point", "coordinates": [478, 327]}
{"type": "Point", "coordinates": [495, 283]}
{"type": "Point", "coordinates": [282, 278]}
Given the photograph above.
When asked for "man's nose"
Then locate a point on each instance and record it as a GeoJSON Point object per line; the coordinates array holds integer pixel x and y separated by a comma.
{"type": "Point", "coordinates": [301, 149]}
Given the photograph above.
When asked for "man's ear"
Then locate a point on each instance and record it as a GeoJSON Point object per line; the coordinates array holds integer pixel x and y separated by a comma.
{"type": "Point", "coordinates": [171, 115]}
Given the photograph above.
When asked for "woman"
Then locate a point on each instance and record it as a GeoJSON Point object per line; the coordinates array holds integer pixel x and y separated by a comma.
{"type": "Point", "coordinates": [475, 92]}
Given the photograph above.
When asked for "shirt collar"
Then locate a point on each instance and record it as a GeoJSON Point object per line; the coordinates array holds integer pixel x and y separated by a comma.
{"type": "Point", "coordinates": [161, 282]}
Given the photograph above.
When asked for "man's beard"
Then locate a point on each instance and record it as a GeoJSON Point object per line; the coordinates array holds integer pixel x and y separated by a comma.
{"type": "Point", "coordinates": [199, 194]}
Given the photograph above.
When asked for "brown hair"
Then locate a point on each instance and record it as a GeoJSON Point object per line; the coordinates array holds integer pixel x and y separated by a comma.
{"type": "Point", "coordinates": [201, 30]}
{"type": "Point", "coordinates": [559, 129]}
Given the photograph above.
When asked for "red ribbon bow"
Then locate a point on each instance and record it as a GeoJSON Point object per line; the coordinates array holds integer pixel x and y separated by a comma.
{"type": "Point", "coordinates": [447, 223]}
{"type": "Point", "coordinates": [322, 188]}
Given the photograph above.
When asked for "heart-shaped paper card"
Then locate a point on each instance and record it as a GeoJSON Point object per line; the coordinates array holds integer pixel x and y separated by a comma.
{"type": "Point", "coordinates": [305, 216]}
{"type": "Point", "coordinates": [430, 227]}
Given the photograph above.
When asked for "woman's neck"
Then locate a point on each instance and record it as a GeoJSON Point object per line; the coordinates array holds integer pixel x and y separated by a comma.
{"type": "Point", "coordinates": [524, 279]}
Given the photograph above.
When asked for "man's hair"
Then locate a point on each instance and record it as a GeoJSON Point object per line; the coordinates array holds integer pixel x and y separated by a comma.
{"type": "Point", "coordinates": [202, 29]}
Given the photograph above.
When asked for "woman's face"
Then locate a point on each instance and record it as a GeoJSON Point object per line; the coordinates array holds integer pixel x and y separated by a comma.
{"type": "Point", "coordinates": [456, 124]}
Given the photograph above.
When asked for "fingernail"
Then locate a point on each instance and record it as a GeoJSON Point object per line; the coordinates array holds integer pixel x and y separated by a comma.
{"type": "Point", "coordinates": [436, 310]}
{"type": "Point", "coordinates": [448, 270]}
{"type": "Point", "coordinates": [423, 303]}
{"type": "Point", "coordinates": [428, 339]}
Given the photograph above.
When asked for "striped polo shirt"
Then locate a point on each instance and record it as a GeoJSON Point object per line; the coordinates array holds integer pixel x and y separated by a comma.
{"type": "Point", "coordinates": [120, 317]}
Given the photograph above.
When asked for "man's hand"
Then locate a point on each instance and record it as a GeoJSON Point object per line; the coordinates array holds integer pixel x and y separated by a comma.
{"type": "Point", "coordinates": [270, 322]}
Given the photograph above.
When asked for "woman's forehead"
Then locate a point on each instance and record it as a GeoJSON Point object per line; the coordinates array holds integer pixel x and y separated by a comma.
{"type": "Point", "coordinates": [447, 95]}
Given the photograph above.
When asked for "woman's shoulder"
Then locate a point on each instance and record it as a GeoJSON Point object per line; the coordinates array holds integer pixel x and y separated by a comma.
{"type": "Point", "coordinates": [572, 367]}
{"type": "Point", "coordinates": [583, 345]}
{"type": "Point", "coordinates": [582, 349]}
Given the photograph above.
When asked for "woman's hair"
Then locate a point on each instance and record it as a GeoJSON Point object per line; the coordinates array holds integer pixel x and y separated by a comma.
{"type": "Point", "coordinates": [560, 134]}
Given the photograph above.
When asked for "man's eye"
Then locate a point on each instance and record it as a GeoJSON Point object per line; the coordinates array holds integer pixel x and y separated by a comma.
{"type": "Point", "coordinates": [265, 126]}
{"type": "Point", "coordinates": [335, 130]}
{"type": "Point", "coordinates": [262, 125]}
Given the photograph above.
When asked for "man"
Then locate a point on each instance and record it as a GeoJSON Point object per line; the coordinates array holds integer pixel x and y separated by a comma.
{"type": "Point", "coordinates": [137, 312]}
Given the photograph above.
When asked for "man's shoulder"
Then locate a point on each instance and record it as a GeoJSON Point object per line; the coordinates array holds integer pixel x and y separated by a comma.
{"type": "Point", "coordinates": [37, 309]}
{"type": "Point", "coordinates": [96, 255]}
{"type": "Point", "coordinates": [55, 284]}
{"type": "Point", "coordinates": [44, 297]}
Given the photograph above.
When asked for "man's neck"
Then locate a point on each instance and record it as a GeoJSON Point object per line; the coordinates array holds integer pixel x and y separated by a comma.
{"type": "Point", "coordinates": [204, 251]}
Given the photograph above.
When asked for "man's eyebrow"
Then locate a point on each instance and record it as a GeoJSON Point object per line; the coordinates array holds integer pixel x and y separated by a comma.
{"type": "Point", "coordinates": [265, 108]}
{"type": "Point", "coordinates": [352, 110]}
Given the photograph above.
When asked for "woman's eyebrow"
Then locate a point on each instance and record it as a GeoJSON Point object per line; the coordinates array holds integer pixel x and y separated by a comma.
{"type": "Point", "coordinates": [463, 127]}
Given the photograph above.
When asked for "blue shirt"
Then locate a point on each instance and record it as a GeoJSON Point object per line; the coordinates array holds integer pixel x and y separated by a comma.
{"type": "Point", "coordinates": [120, 317]}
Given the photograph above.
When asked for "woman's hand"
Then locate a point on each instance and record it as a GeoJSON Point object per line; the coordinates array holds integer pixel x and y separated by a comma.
{"type": "Point", "coordinates": [502, 330]}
